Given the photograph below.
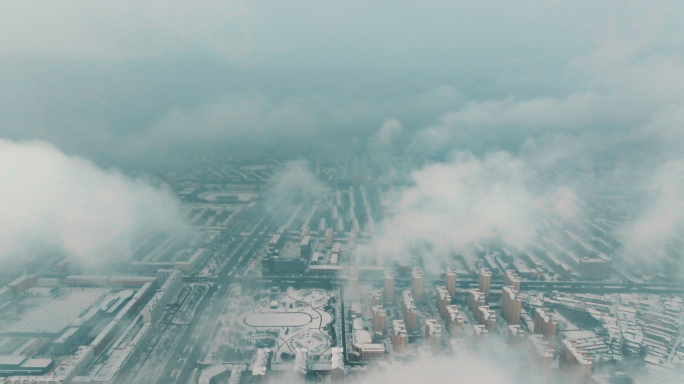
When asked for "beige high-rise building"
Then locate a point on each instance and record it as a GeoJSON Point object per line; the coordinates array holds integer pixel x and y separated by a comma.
{"type": "Point", "coordinates": [329, 238]}
{"type": "Point", "coordinates": [484, 282]}
{"type": "Point", "coordinates": [408, 309]}
{"type": "Point", "coordinates": [376, 298]}
{"type": "Point", "coordinates": [475, 299]}
{"type": "Point", "coordinates": [432, 332]}
{"type": "Point", "coordinates": [511, 306]}
{"type": "Point", "coordinates": [411, 319]}
{"type": "Point", "coordinates": [352, 238]}
{"type": "Point", "coordinates": [515, 335]}
{"type": "Point", "coordinates": [353, 284]}
{"type": "Point", "coordinates": [454, 321]}
{"type": "Point", "coordinates": [450, 281]}
{"type": "Point", "coordinates": [512, 279]}
{"type": "Point", "coordinates": [443, 299]}
{"type": "Point", "coordinates": [389, 286]}
{"type": "Point", "coordinates": [543, 352]}
{"type": "Point", "coordinates": [480, 333]}
{"type": "Point", "coordinates": [544, 323]}
{"type": "Point", "coordinates": [486, 317]}
{"type": "Point", "coordinates": [575, 362]}
{"type": "Point", "coordinates": [399, 336]}
{"type": "Point", "coordinates": [379, 319]}
{"type": "Point", "coordinates": [417, 284]}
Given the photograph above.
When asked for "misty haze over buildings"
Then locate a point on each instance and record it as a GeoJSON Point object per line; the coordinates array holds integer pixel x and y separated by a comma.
{"type": "Point", "coordinates": [101, 102]}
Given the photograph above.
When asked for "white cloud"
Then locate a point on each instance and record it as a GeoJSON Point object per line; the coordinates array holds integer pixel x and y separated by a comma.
{"type": "Point", "coordinates": [662, 220]}
{"type": "Point", "coordinates": [469, 198]}
{"type": "Point", "coordinates": [389, 129]}
{"type": "Point", "coordinates": [249, 120]}
{"type": "Point", "coordinates": [68, 203]}
{"type": "Point", "coordinates": [624, 90]}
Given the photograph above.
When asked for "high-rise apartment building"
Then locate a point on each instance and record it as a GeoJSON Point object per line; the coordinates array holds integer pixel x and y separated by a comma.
{"type": "Point", "coordinates": [376, 298]}
{"type": "Point", "coordinates": [329, 238]}
{"type": "Point", "coordinates": [475, 299]}
{"type": "Point", "coordinates": [543, 353]}
{"type": "Point", "coordinates": [484, 282]}
{"type": "Point", "coordinates": [304, 233]}
{"type": "Point", "coordinates": [486, 317]}
{"type": "Point", "coordinates": [389, 286]}
{"type": "Point", "coordinates": [450, 281]}
{"type": "Point", "coordinates": [399, 336]}
{"type": "Point", "coordinates": [544, 323]}
{"type": "Point", "coordinates": [575, 362]}
{"type": "Point", "coordinates": [353, 284]}
{"type": "Point", "coordinates": [417, 284]}
{"type": "Point", "coordinates": [512, 279]}
{"type": "Point", "coordinates": [408, 309]}
{"type": "Point", "coordinates": [443, 299]}
{"type": "Point", "coordinates": [352, 237]}
{"type": "Point", "coordinates": [432, 332]}
{"type": "Point", "coordinates": [511, 306]}
{"type": "Point", "coordinates": [515, 335]}
{"type": "Point", "coordinates": [379, 319]}
{"type": "Point", "coordinates": [454, 321]}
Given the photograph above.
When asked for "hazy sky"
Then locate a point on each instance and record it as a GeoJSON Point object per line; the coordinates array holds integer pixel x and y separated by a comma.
{"type": "Point", "coordinates": [131, 83]}
{"type": "Point", "coordinates": [121, 80]}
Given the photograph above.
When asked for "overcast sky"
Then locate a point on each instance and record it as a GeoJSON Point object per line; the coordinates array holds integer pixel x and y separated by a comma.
{"type": "Point", "coordinates": [111, 80]}
{"type": "Point", "coordinates": [126, 84]}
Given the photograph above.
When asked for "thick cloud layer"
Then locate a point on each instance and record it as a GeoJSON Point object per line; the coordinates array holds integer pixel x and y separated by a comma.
{"type": "Point", "coordinates": [66, 204]}
{"type": "Point", "coordinates": [468, 198]}
{"type": "Point", "coordinates": [659, 226]}
{"type": "Point", "coordinates": [133, 83]}
{"type": "Point", "coordinates": [109, 80]}
{"type": "Point", "coordinates": [388, 131]}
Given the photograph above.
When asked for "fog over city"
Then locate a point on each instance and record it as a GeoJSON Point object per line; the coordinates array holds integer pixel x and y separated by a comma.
{"type": "Point", "coordinates": [311, 191]}
{"type": "Point", "coordinates": [52, 202]}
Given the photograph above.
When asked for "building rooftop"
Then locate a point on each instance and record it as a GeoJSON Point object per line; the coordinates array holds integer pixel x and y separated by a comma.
{"type": "Point", "coordinates": [300, 360]}
{"type": "Point", "coordinates": [577, 352]}
{"type": "Point", "coordinates": [337, 358]}
{"type": "Point", "coordinates": [37, 363]}
{"type": "Point", "coordinates": [259, 366]}
{"type": "Point", "coordinates": [54, 314]}
{"type": "Point", "coordinates": [10, 360]}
